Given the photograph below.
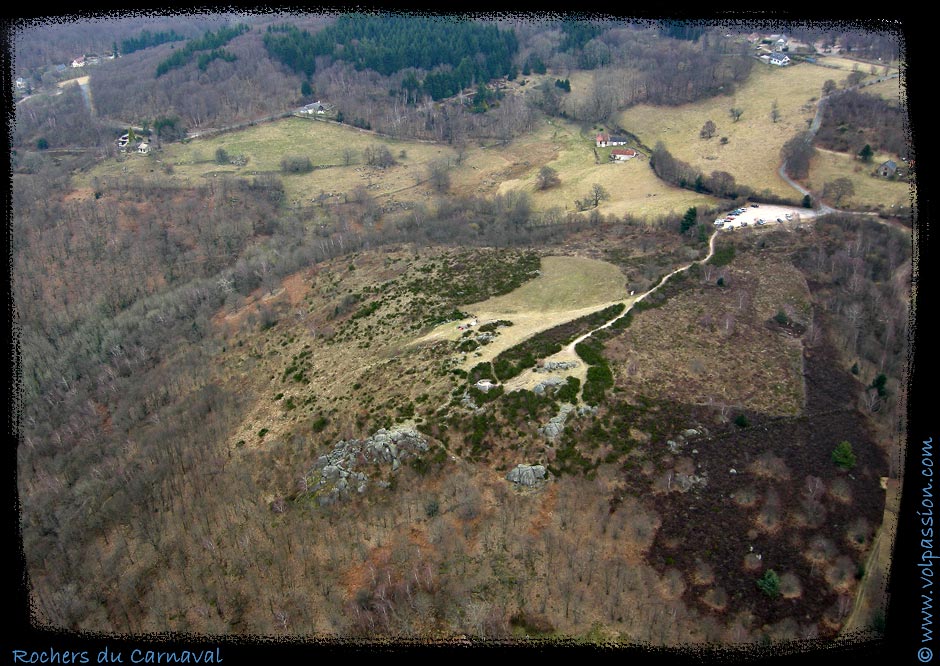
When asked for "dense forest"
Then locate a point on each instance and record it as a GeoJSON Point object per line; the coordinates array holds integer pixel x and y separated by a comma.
{"type": "Point", "coordinates": [856, 119]}
{"type": "Point", "coordinates": [455, 53]}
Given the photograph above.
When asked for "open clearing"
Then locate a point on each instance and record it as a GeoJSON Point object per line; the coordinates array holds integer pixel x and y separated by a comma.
{"type": "Point", "coordinates": [870, 191]}
{"type": "Point", "coordinates": [754, 141]}
{"type": "Point", "coordinates": [483, 170]}
{"type": "Point", "coordinates": [568, 288]}
{"type": "Point", "coordinates": [632, 185]}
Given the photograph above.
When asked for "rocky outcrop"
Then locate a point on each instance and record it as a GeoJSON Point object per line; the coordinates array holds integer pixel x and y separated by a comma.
{"type": "Point", "coordinates": [685, 482]}
{"type": "Point", "coordinates": [554, 366]}
{"type": "Point", "coordinates": [527, 475]}
{"type": "Point", "coordinates": [336, 474]}
{"type": "Point", "coordinates": [556, 425]}
{"type": "Point", "coordinates": [542, 386]}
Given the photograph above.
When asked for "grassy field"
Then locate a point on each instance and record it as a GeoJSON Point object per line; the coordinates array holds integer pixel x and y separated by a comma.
{"type": "Point", "coordinates": [484, 169]}
{"type": "Point", "coordinates": [890, 90]}
{"type": "Point", "coordinates": [752, 152]}
{"type": "Point", "coordinates": [264, 146]}
{"type": "Point", "coordinates": [568, 288]}
{"type": "Point", "coordinates": [870, 191]}
{"type": "Point", "coordinates": [566, 283]}
{"type": "Point", "coordinates": [633, 187]}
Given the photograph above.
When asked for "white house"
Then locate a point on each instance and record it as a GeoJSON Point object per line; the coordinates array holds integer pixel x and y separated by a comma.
{"type": "Point", "coordinates": [316, 108]}
{"type": "Point", "coordinates": [779, 59]}
{"type": "Point", "coordinates": [622, 154]}
{"type": "Point", "coordinates": [79, 61]}
{"type": "Point", "coordinates": [143, 148]}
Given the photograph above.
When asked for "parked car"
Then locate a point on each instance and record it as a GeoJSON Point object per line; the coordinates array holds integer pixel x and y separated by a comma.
{"type": "Point", "coordinates": [743, 223]}
{"type": "Point", "coordinates": [720, 222]}
{"type": "Point", "coordinates": [755, 205]}
{"type": "Point", "coordinates": [789, 216]}
{"type": "Point", "coordinates": [780, 220]}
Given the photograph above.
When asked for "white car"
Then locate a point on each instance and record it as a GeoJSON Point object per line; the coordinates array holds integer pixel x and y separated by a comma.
{"type": "Point", "coordinates": [720, 222]}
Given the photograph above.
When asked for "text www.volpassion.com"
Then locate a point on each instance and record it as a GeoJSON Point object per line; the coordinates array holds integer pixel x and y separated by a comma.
{"type": "Point", "coordinates": [924, 653]}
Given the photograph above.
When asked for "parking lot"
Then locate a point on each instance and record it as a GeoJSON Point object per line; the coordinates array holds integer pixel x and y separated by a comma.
{"type": "Point", "coordinates": [764, 215]}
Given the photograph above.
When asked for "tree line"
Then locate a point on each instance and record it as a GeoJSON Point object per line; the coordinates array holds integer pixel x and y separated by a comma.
{"type": "Point", "coordinates": [719, 183]}
{"type": "Point", "coordinates": [210, 41]}
{"type": "Point", "coordinates": [146, 39]}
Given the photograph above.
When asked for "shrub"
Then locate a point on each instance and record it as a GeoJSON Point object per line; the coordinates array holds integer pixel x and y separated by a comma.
{"type": "Point", "coordinates": [296, 164]}
{"type": "Point", "coordinates": [842, 455]}
{"type": "Point", "coordinates": [770, 584]}
{"type": "Point", "coordinates": [781, 318]}
{"type": "Point", "coordinates": [741, 421]}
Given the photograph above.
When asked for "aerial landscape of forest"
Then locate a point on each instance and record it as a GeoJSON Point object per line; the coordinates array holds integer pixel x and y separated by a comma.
{"type": "Point", "coordinates": [487, 329]}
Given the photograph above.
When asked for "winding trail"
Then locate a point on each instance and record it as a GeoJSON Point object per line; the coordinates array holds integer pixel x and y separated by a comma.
{"type": "Point", "coordinates": [526, 380]}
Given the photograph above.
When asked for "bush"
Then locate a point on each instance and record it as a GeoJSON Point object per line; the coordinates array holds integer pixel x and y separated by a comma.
{"type": "Point", "coordinates": [741, 421]}
{"type": "Point", "coordinates": [781, 318]}
{"type": "Point", "coordinates": [722, 256]}
{"type": "Point", "coordinates": [842, 455]}
{"type": "Point", "coordinates": [770, 584]}
{"type": "Point", "coordinates": [296, 164]}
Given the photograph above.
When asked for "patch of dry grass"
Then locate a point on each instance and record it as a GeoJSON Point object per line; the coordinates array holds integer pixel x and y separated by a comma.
{"type": "Point", "coordinates": [752, 154]}
{"type": "Point", "coordinates": [870, 191]}
{"type": "Point", "coordinates": [711, 345]}
{"type": "Point", "coordinates": [568, 287]}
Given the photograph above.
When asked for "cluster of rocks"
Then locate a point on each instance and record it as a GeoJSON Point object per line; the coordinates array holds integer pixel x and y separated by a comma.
{"type": "Point", "coordinates": [675, 445]}
{"type": "Point", "coordinates": [685, 482]}
{"type": "Point", "coordinates": [527, 475]}
{"type": "Point", "coordinates": [552, 366]}
{"type": "Point", "coordinates": [542, 386]}
{"type": "Point", "coordinates": [556, 425]}
{"type": "Point", "coordinates": [337, 474]}
{"type": "Point", "coordinates": [467, 401]}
